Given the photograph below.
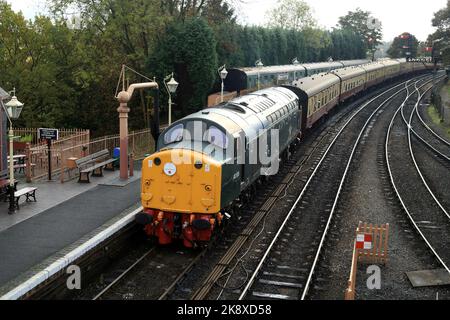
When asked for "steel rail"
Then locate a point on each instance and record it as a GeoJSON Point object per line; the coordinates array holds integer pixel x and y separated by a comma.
{"type": "Point", "coordinates": [408, 213]}
{"type": "Point", "coordinates": [181, 276]}
{"type": "Point", "coordinates": [430, 129]}
{"type": "Point", "coordinates": [341, 185]}
{"type": "Point", "coordinates": [300, 197]}
{"type": "Point", "coordinates": [411, 151]}
{"type": "Point", "coordinates": [123, 274]}
{"type": "Point", "coordinates": [439, 153]}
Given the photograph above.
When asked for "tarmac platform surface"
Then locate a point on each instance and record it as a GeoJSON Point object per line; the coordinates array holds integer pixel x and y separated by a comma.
{"type": "Point", "coordinates": [29, 242]}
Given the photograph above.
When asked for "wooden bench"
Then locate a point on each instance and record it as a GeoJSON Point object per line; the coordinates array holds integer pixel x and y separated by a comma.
{"type": "Point", "coordinates": [94, 163]}
{"type": "Point", "coordinates": [22, 167]}
{"type": "Point", "coordinates": [29, 192]}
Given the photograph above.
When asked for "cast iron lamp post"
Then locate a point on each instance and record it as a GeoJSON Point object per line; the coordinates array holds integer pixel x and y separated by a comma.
{"type": "Point", "coordinates": [171, 87]}
{"type": "Point", "coordinates": [14, 108]}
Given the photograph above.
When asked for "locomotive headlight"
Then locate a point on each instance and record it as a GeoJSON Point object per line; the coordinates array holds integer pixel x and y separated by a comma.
{"type": "Point", "coordinates": [208, 188]}
{"type": "Point", "coordinates": [198, 165]}
{"type": "Point", "coordinates": [147, 183]}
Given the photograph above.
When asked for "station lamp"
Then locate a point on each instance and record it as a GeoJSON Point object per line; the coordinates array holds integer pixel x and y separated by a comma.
{"type": "Point", "coordinates": [223, 74]}
{"type": "Point", "coordinates": [171, 87]}
{"type": "Point", "coordinates": [14, 109]}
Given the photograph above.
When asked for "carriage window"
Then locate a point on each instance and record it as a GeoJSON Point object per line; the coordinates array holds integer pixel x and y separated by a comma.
{"type": "Point", "coordinates": [216, 137]}
{"type": "Point", "coordinates": [174, 135]}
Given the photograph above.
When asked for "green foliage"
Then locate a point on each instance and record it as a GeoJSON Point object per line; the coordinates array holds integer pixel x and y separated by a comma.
{"type": "Point", "coordinates": [362, 23]}
{"type": "Point", "coordinates": [189, 49]}
{"type": "Point", "coordinates": [441, 21]}
{"type": "Point", "coordinates": [291, 14]}
{"type": "Point", "coordinates": [398, 48]}
{"type": "Point", "coordinates": [67, 76]}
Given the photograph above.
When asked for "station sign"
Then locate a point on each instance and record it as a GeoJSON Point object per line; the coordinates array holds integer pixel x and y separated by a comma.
{"type": "Point", "coordinates": [48, 134]}
{"type": "Point", "coordinates": [425, 59]}
{"type": "Point", "coordinates": [364, 241]}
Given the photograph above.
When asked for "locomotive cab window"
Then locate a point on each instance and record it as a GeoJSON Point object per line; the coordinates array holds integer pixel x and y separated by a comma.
{"type": "Point", "coordinates": [174, 135]}
{"type": "Point", "coordinates": [216, 137]}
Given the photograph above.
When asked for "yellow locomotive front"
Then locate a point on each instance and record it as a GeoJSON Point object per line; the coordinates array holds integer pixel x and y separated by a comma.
{"type": "Point", "coordinates": [180, 194]}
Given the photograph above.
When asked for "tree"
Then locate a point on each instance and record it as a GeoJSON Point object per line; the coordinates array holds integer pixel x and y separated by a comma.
{"type": "Point", "coordinates": [291, 14]}
{"type": "Point", "coordinates": [189, 49]}
{"type": "Point", "coordinates": [441, 21]}
{"type": "Point", "coordinates": [362, 23]}
{"type": "Point", "coordinates": [404, 46]}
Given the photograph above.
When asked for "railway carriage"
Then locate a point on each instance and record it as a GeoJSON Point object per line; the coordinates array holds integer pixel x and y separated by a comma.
{"type": "Point", "coordinates": [392, 68]}
{"type": "Point", "coordinates": [353, 81]}
{"type": "Point", "coordinates": [322, 67]}
{"type": "Point", "coordinates": [247, 78]}
{"type": "Point", "coordinates": [420, 66]}
{"type": "Point", "coordinates": [319, 94]}
{"type": "Point", "coordinates": [205, 161]}
{"type": "Point", "coordinates": [243, 80]}
{"type": "Point", "coordinates": [374, 74]}
{"type": "Point", "coordinates": [405, 67]}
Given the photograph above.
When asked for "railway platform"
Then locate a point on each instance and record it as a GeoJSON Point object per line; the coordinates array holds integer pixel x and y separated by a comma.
{"type": "Point", "coordinates": [65, 216]}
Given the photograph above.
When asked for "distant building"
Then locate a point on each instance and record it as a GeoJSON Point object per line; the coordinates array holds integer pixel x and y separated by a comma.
{"type": "Point", "coordinates": [4, 96]}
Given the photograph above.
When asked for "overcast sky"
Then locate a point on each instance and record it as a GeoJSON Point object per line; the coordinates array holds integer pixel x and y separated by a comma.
{"type": "Point", "coordinates": [397, 16]}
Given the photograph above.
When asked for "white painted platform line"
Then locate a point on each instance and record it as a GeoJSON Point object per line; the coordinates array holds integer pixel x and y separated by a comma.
{"type": "Point", "coordinates": [65, 261]}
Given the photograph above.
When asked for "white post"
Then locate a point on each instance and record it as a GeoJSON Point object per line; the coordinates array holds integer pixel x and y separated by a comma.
{"type": "Point", "coordinates": [170, 109]}
{"type": "Point", "coordinates": [221, 93]}
{"type": "Point", "coordinates": [12, 205]}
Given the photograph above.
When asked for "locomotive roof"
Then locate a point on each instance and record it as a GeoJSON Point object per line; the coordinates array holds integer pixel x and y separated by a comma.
{"type": "Point", "coordinates": [349, 72]}
{"type": "Point", "coordinates": [314, 84]}
{"type": "Point", "coordinates": [247, 113]}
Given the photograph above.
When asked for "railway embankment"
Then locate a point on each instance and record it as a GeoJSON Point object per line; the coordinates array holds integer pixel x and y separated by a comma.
{"type": "Point", "coordinates": [441, 125]}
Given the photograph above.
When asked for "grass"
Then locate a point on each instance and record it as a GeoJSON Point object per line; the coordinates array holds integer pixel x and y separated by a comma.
{"type": "Point", "coordinates": [436, 118]}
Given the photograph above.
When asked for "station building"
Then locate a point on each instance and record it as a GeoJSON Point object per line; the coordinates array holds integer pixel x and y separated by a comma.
{"type": "Point", "coordinates": [4, 97]}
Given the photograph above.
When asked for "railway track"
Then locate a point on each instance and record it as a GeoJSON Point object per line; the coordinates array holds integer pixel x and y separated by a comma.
{"type": "Point", "coordinates": [427, 213]}
{"type": "Point", "coordinates": [287, 279]}
{"type": "Point", "coordinates": [270, 273]}
{"type": "Point", "coordinates": [263, 203]}
{"type": "Point", "coordinates": [189, 288]}
{"type": "Point", "coordinates": [156, 266]}
{"type": "Point", "coordinates": [426, 135]}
